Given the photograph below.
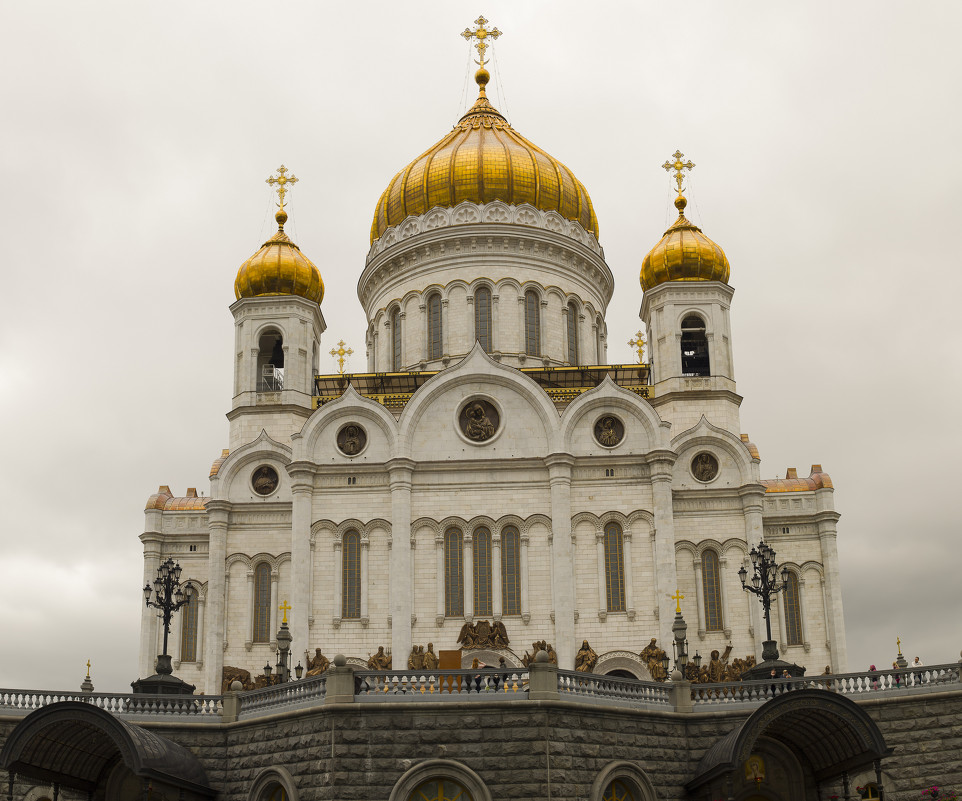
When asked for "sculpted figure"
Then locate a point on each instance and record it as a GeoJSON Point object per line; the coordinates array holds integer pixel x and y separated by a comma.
{"type": "Point", "coordinates": [652, 655]}
{"type": "Point", "coordinates": [416, 659]}
{"type": "Point", "coordinates": [430, 658]}
{"type": "Point", "coordinates": [716, 668]}
{"type": "Point", "coordinates": [352, 440]}
{"type": "Point", "coordinates": [704, 468]}
{"type": "Point", "coordinates": [468, 636]}
{"type": "Point", "coordinates": [482, 634]}
{"type": "Point", "coordinates": [264, 480]}
{"type": "Point", "coordinates": [380, 660]}
{"type": "Point", "coordinates": [586, 658]}
{"type": "Point", "coordinates": [231, 674]}
{"type": "Point", "coordinates": [317, 664]}
{"type": "Point", "coordinates": [479, 425]}
{"type": "Point", "coordinates": [500, 636]}
{"type": "Point", "coordinates": [607, 434]}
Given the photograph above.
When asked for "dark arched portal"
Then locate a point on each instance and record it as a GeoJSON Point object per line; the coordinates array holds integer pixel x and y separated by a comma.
{"type": "Point", "coordinates": [76, 745]}
{"type": "Point", "coordinates": [799, 744]}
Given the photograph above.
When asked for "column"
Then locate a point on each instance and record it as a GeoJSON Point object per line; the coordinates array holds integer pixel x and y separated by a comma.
{"type": "Point", "coordinates": [217, 516]}
{"type": "Point", "coordinates": [439, 572]}
{"type": "Point", "coordinates": [148, 615]}
{"type": "Point", "coordinates": [468, 562]}
{"type": "Point", "coordinates": [661, 463]}
{"type": "Point", "coordinates": [525, 607]}
{"type": "Point", "coordinates": [496, 576]}
{"type": "Point", "coordinates": [336, 583]}
{"type": "Point", "coordinates": [250, 610]}
{"type": "Point", "coordinates": [176, 637]}
{"type": "Point", "coordinates": [401, 593]}
{"type": "Point", "coordinates": [562, 576]}
{"type": "Point", "coordinates": [201, 612]}
{"type": "Point", "coordinates": [827, 519]}
{"type": "Point", "coordinates": [723, 586]}
{"type": "Point", "coordinates": [699, 594]}
{"type": "Point", "coordinates": [752, 499]}
{"type": "Point", "coordinates": [629, 590]}
{"type": "Point", "coordinates": [302, 552]}
{"type": "Point", "coordinates": [365, 548]}
{"type": "Point", "coordinates": [602, 575]}
{"type": "Point", "coordinates": [275, 602]}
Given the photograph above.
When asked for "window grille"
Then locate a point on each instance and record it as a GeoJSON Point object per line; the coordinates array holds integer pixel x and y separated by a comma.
{"type": "Point", "coordinates": [532, 323]}
{"type": "Point", "coordinates": [396, 340]}
{"type": "Point", "coordinates": [351, 575]}
{"type": "Point", "coordinates": [614, 568]}
{"type": "Point", "coordinates": [188, 630]}
{"type": "Point", "coordinates": [453, 573]}
{"type": "Point", "coordinates": [793, 615]}
{"type": "Point", "coordinates": [482, 572]}
{"type": "Point", "coordinates": [712, 591]}
{"type": "Point", "coordinates": [510, 571]}
{"type": "Point", "coordinates": [482, 317]}
{"type": "Point", "coordinates": [435, 344]}
{"type": "Point", "coordinates": [572, 334]}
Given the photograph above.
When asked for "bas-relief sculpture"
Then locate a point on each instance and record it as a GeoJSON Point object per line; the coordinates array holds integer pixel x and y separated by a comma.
{"type": "Point", "coordinates": [264, 480]}
{"type": "Point", "coordinates": [483, 635]}
{"type": "Point", "coordinates": [479, 420]}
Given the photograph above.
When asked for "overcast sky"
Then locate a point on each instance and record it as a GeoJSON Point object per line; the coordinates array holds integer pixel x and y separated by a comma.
{"type": "Point", "coordinates": [136, 138]}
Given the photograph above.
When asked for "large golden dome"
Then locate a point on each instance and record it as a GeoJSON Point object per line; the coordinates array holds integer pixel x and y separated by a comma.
{"type": "Point", "coordinates": [279, 268]}
{"type": "Point", "coordinates": [684, 254]}
{"type": "Point", "coordinates": [483, 159]}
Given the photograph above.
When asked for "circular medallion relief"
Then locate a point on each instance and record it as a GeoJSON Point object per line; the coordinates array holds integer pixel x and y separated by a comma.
{"type": "Point", "coordinates": [264, 480]}
{"type": "Point", "coordinates": [479, 420]}
{"type": "Point", "coordinates": [704, 466]}
{"type": "Point", "coordinates": [351, 439]}
{"type": "Point", "coordinates": [609, 431]}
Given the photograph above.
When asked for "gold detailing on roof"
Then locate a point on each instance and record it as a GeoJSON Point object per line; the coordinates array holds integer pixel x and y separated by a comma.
{"type": "Point", "coordinates": [339, 353]}
{"type": "Point", "coordinates": [816, 480]}
{"type": "Point", "coordinates": [279, 267]}
{"type": "Point", "coordinates": [751, 446]}
{"type": "Point", "coordinates": [483, 159]}
{"type": "Point", "coordinates": [480, 34]}
{"type": "Point", "coordinates": [165, 501]}
{"type": "Point", "coordinates": [684, 252]}
{"type": "Point", "coordinates": [638, 343]}
{"type": "Point", "coordinates": [215, 467]}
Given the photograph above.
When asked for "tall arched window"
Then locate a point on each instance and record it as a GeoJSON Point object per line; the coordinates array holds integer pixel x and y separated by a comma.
{"type": "Point", "coordinates": [453, 573]}
{"type": "Point", "coordinates": [711, 590]}
{"type": "Point", "coordinates": [614, 568]}
{"type": "Point", "coordinates": [793, 613]}
{"type": "Point", "coordinates": [188, 630]}
{"type": "Point", "coordinates": [435, 343]}
{"type": "Point", "coordinates": [441, 790]}
{"type": "Point", "coordinates": [396, 340]}
{"type": "Point", "coordinates": [694, 346]}
{"type": "Point", "coordinates": [482, 571]}
{"type": "Point", "coordinates": [510, 571]}
{"type": "Point", "coordinates": [351, 575]}
{"type": "Point", "coordinates": [482, 317]}
{"type": "Point", "coordinates": [532, 323]}
{"type": "Point", "coordinates": [262, 602]}
{"type": "Point", "coordinates": [572, 321]}
{"type": "Point", "coordinates": [618, 791]}
{"type": "Point", "coordinates": [270, 362]}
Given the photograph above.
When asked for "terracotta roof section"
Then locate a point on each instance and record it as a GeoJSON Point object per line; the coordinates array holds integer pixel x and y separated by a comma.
{"type": "Point", "coordinates": [165, 501]}
{"type": "Point", "coordinates": [751, 446]}
{"type": "Point", "coordinates": [215, 467]}
{"type": "Point", "coordinates": [816, 480]}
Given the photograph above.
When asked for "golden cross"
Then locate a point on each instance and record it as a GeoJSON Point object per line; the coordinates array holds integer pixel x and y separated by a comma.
{"type": "Point", "coordinates": [285, 607]}
{"type": "Point", "coordinates": [480, 33]}
{"type": "Point", "coordinates": [679, 167]}
{"type": "Point", "coordinates": [677, 598]}
{"type": "Point", "coordinates": [88, 668]}
{"type": "Point", "coordinates": [340, 352]}
{"type": "Point", "coordinates": [282, 180]}
{"type": "Point", "coordinates": [639, 344]}
{"type": "Point", "coordinates": [898, 642]}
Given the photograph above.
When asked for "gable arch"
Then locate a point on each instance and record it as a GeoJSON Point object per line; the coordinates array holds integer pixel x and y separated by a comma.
{"type": "Point", "coordinates": [704, 435]}
{"type": "Point", "coordinates": [265, 449]}
{"type": "Point", "coordinates": [328, 418]}
{"type": "Point", "coordinates": [578, 420]}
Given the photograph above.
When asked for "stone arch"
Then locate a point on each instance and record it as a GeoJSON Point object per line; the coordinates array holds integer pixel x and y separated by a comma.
{"type": "Point", "coordinates": [623, 660]}
{"type": "Point", "coordinates": [349, 404]}
{"type": "Point", "coordinates": [490, 656]}
{"type": "Point", "coordinates": [608, 395]}
{"type": "Point", "coordinates": [532, 520]}
{"type": "Point", "coordinates": [440, 768]}
{"type": "Point", "coordinates": [270, 559]}
{"type": "Point", "coordinates": [243, 558]}
{"type": "Point", "coordinates": [264, 448]}
{"type": "Point", "coordinates": [509, 520]}
{"type": "Point", "coordinates": [641, 515]}
{"type": "Point", "coordinates": [484, 521]}
{"type": "Point", "coordinates": [631, 774]}
{"type": "Point", "coordinates": [267, 778]}
{"type": "Point", "coordinates": [704, 434]}
{"type": "Point", "coordinates": [428, 523]}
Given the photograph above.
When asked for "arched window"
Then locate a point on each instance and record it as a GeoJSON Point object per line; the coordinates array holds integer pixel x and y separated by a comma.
{"type": "Point", "coordinates": [441, 790]}
{"type": "Point", "coordinates": [793, 614]}
{"type": "Point", "coordinates": [532, 323]}
{"type": "Point", "coordinates": [614, 568]}
{"type": "Point", "coordinates": [510, 571]}
{"type": "Point", "coordinates": [435, 343]}
{"type": "Point", "coordinates": [262, 602]}
{"type": "Point", "coordinates": [396, 340]}
{"type": "Point", "coordinates": [572, 321]}
{"type": "Point", "coordinates": [618, 791]}
{"type": "Point", "coordinates": [351, 575]}
{"type": "Point", "coordinates": [188, 630]}
{"type": "Point", "coordinates": [275, 793]}
{"type": "Point", "coordinates": [482, 572]}
{"type": "Point", "coordinates": [711, 589]}
{"type": "Point", "coordinates": [270, 362]}
{"type": "Point", "coordinates": [694, 347]}
{"type": "Point", "coordinates": [453, 573]}
{"type": "Point", "coordinates": [482, 317]}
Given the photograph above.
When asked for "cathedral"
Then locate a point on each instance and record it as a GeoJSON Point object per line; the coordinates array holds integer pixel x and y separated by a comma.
{"type": "Point", "coordinates": [490, 471]}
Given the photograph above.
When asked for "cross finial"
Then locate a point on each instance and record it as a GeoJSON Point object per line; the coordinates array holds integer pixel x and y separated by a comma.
{"type": "Point", "coordinates": [638, 343]}
{"type": "Point", "coordinates": [679, 167]}
{"type": "Point", "coordinates": [480, 33]}
{"type": "Point", "coordinates": [282, 180]}
{"type": "Point", "coordinates": [898, 642]}
{"type": "Point", "coordinates": [88, 668]}
{"type": "Point", "coordinates": [285, 608]}
{"type": "Point", "coordinates": [677, 598]}
{"type": "Point", "coordinates": [339, 353]}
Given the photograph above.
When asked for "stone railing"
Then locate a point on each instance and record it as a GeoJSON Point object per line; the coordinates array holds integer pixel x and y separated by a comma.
{"type": "Point", "coordinates": [610, 689]}
{"type": "Point", "coordinates": [200, 708]}
{"type": "Point", "coordinates": [417, 685]}
{"type": "Point", "coordinates": [282, 697]}
{"type": "Point", "coordinates": [864, 683]}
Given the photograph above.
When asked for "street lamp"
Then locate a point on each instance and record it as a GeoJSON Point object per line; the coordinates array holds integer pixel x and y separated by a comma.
{"type": "Point", "coordinates": [168, 596]}
{"type": "Point", "coordinates": [764, 583]}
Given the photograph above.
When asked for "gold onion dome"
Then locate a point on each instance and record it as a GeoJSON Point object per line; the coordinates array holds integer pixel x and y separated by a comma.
{"type": "Point", "coordinates": [684, 254]}
{"type": "Point", "coordinates": [279, 268]}
{"type": "Point", "coordinates": [483, 159]}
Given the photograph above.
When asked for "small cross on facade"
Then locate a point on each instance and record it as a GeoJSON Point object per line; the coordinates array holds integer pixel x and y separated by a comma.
{"type": "Point", "coordinates": [678, 598]}
{"type": "Point", "coordinates": [339, 353]}
{"type": "Point", "coordinates": [282, 180]}
{"type": "Point", "coordinates": [480, 33]}
{"type": "Point", "coordinates": [638, 343]}
{"type": "Point", "coordinates": [679, 167]}
{"type": "Point", "coordinates": [285, 608]}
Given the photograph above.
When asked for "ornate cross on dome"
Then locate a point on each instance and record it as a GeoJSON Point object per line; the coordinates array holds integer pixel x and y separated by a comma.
{"type": "Point", "coordinates": [480, 33]}
{"type": "Point", "coordinates": [339, 353]}
{"type": "Point", "coordinates": [678, 598]}
{"type": "Point", "coordinates": [638, 343]}
{"type": "Point", "coordinates": [282, 180]}
{"type": "Point", "coordinates": [679, 167]}
{"type": "Point", "coordinates": [285, 608]}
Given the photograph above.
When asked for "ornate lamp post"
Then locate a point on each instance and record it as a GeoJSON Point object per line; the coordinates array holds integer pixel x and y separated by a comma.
{"type": "Point", "coordinates": [765, 585]}
{"type": "Point", "coordinates": [283, 653]}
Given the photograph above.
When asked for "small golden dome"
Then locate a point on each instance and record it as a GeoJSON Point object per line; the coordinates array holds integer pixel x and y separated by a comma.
{"type": "Point", "coordinates": [483, 159]}
{"type": "Point", "coordinates": [279, 268]}
{"type": "Point", "coordinates": [684, 254]}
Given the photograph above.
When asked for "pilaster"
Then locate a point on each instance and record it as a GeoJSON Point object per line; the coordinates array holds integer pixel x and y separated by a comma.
{"type": "Point", "coordinates": [302, 489]}
{"type": "Point", "coordinates": [218, 512]}
{"type": "Point", "coordinates": [661, 463]}
{"type": "Point", "coordinates": [563, 587]}
{"type": "Point", "coordinates": [400, 472]}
